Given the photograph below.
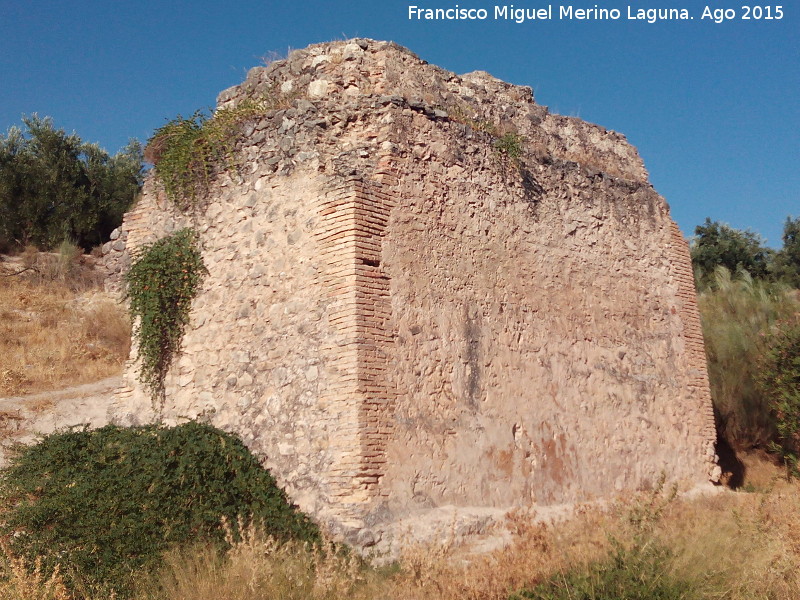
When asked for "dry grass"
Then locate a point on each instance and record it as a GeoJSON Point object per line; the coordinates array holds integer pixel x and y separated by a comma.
{"type": "Point", "coordinates": [259, 568]}
{"type": "Point", "coordinates": [731, 546]}
{"type": "Point", "coordinates": [19, 581]}
{"type": "Point", "coordinates": [57, 330]}
{"type": "Point", "coordinates": [739, 546]}
{"type": "Point", "coordinates": [537, 551]}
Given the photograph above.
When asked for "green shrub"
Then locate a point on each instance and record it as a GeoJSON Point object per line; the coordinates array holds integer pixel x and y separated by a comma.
{"type": "Point", "coordinates": [107, 502]}
{"type": "Point", "coordinates": [737, 313]}
{"type": "Point", "coordinates": [161, 284]}
{"type": "Point", "coordinates": [780, 380]}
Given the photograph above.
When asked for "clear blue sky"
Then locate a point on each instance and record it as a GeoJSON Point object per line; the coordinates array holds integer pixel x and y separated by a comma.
{"type": "Point", "coordinates": [713, 108]}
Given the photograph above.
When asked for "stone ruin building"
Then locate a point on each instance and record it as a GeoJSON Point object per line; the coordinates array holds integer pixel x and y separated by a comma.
{"type": "Point", "coordinates": [425, 290]}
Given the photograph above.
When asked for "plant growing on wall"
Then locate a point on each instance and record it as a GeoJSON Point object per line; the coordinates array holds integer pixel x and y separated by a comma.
{"type": "Point", "coordinates": [511, 145]}
{"type": "Point", "coordinates": [162, 281]}
{"type": "Point", "coordinates": [186, 153]}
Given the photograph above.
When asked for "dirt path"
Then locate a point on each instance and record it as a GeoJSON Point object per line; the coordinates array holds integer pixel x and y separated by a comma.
{"type": "Point", "coordinates": [25, 418]}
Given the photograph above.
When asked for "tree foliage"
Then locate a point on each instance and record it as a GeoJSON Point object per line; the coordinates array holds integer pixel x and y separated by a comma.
{"type": "Point", "coordinates": [719, 245]}
{"type": "Point", "coordinates": [787, 259]}
{"type": "Point", "coordinates": [56, 187]}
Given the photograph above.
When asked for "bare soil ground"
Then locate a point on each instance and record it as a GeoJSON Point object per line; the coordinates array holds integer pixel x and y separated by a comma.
{"type": "Point", "coordinates": [23, 419]}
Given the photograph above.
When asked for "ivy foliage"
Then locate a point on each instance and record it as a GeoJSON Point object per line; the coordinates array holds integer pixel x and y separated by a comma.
{"type": "Point", "coordinates": [187, 153]}
{"type": "Point", "coordinates": [181, 156]}
{"type": "Point", "coordinates": [109, 502]}
{"type": "Point", "coordinates": [161, 284]}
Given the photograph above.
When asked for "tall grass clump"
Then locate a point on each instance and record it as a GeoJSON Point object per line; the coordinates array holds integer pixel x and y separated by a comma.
{"type": "Point", "coordinates": [108, 503]}
{"type": "Point", "coordinates": [780, 380]}
{"type": "Point", "coordinates": [260, 567]}
{"type": "Point", "coordinates": [737, 313]}
{"type": "Point", "coordinates": [21, 581]}
{"type": "Point", "coordinates": [639, 565]}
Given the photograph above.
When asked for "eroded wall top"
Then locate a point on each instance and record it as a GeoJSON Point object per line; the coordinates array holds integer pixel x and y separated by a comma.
{"type": "Point", "coordinates": [338, 74]}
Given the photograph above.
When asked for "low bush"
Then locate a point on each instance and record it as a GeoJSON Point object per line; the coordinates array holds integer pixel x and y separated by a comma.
{"type": "Point", "coordinates": [106, 503]}
{"type": "Point", "coordinates": [640, 573]}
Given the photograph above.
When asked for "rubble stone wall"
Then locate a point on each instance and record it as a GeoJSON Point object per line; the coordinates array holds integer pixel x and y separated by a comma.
{"type": "Point", "coordinates": [548, 346]}
{"type": "Point", "coordinates": [400, 315]}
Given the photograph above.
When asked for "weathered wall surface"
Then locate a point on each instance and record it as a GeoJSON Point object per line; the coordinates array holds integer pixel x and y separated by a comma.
{"type": "Point", "coordinates": [541, 335]}
{"type": "Point", "coordinates": [399, 316]}
{"type": "Point", "coordinates": [272, 345]}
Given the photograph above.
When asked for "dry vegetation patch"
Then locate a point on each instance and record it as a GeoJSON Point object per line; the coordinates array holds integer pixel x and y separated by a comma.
{"type": "Point", "coordinates": [57, 327]}
{"type": "Point", "coordinates": [28, 582]}
{"type": "Point", "coordinates": [731, 545]}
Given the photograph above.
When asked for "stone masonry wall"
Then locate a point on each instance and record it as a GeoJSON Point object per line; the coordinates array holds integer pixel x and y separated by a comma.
{"type": "Point", "coordinates": [276, 340]}
{"type": "Point", "coordinates": [546, 336]}
{"type": "Point", "coordinates": [399, 316]}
